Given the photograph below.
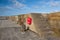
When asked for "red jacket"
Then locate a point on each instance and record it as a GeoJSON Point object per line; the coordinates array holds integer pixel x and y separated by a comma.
{"type": "Point", "coordinates": [29, 20]}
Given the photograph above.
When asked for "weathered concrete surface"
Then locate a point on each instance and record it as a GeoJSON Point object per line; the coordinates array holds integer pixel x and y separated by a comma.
{"type": "Point", "coordinates": [8, 23]}
{"type": "Point", "coordinates": [14, 33]}
{"type": "Point", "coordinates": [9, 30]}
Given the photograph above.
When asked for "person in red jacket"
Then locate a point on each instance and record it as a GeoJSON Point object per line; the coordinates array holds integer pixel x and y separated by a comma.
{"type": "Point", "coordinates": [29, 22]}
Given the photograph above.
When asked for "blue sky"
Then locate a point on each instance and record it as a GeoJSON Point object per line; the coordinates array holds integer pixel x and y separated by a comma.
{"type": "Point", "coordinates": [15, 7]}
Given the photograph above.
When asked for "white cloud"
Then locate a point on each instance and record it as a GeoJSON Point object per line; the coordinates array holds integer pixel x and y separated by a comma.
{"type": "Point", "coordinates": [17, 4]}
{"type": "Point", "coordinates": [4, 9]}
{"type": "Point", "coordinates": [55, 3]}
{"type": "Point", "coordinates": [55, 11]}
{"type": "Point", "coordinates": [36, 7]}
{"type": "Point", "coordinates": [50, 3]}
